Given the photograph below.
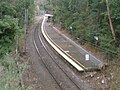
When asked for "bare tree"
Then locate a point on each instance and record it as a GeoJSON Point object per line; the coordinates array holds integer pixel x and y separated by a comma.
{"type": "Point", "coordinates": [110, 21]}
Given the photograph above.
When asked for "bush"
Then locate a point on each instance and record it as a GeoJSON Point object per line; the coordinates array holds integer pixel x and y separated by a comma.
{"type": "Point", "coordinates": [10, 78]}
{"type": "Point", "coordinates": [8, 29]}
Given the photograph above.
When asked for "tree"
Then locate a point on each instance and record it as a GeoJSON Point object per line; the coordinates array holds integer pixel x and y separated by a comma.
{"type": "Point", "coordinates": [110, 21]}
{"type": "Point", "coordinates": [12, 22]}
{"type": "Point", "coordinates": [89, 18]}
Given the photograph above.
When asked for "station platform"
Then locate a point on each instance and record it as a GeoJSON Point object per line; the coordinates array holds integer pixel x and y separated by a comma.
{"type": "Point", "coordinates": [76, 52]}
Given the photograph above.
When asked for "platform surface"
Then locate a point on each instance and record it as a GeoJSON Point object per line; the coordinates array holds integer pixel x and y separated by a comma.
{"type": "Point", "coordinates": [74, 50]}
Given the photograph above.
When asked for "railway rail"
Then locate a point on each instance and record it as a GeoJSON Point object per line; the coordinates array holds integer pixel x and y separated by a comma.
{"type": "Point", "coordinates": [39, 42]}
{"type": "Point", "coordinates": [58, 81]}
{"type": "Point", "coordinates": [61, 72]}
{"type": "Point", "coordinates": [66, 56]}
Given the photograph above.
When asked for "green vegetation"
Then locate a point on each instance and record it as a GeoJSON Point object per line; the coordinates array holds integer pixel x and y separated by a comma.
{"type": "Point", "coordinates": [10, 74]}
{"type": "Point", "coordinates": [12, 22]}
{"type": "Point", "coordinates": [90, 18]}
{"type": "Point", "coordinates": [12, 14]}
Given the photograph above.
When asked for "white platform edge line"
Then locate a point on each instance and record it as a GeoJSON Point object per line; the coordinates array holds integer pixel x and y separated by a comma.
{"type": "Point", "coordinates": [59, 51]}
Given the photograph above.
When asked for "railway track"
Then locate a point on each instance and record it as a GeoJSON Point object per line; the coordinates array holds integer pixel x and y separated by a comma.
{"type": "Point", "coordinates": [66, 81]}
{"type": "Point", "coordinates": [38, 76]}
{"type": "Point", "coordinates": [59, 81]}
{"type": "Point", "coordinates": [39, 53]}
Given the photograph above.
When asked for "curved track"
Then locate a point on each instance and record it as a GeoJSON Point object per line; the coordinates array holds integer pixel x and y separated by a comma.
{"type": "Point", "coordinates": [68, 83]}
{"type": "Point", "coordinates": [39, 53]}
{"type": "Point", "coordinates": [58, 70]}
{"type": "Point", "coordinates": [59, 81]}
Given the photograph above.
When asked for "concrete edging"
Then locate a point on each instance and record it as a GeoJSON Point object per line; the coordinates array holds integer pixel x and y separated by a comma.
{"type": "Point", "coordinates": [65, 55]}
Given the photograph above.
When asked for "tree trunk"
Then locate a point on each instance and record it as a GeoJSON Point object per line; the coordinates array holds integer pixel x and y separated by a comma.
{"type": "Point", "coordinates": [110, 21]}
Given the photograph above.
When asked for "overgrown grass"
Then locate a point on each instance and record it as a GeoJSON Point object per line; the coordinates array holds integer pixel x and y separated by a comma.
{"type": "Point", "coordinates": [11, 74]}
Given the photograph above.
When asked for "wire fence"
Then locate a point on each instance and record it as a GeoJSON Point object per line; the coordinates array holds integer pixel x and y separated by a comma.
{"type": "Point", "coordinates": [108, 53]}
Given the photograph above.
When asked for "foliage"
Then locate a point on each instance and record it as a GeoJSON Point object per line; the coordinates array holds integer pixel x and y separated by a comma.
{"type": "Point", "coordinates": [7, 9]}
{"type": "Point", "coordinates": [88, 18]}
{"type": "Point", "coordinates": [11, 26]}
{"type": "Point", "coordinates": [8, 29]}
{"type": "Point", "coordinates": [12, 21]}
{"type": "Point", "coordinates": [10, 78]}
